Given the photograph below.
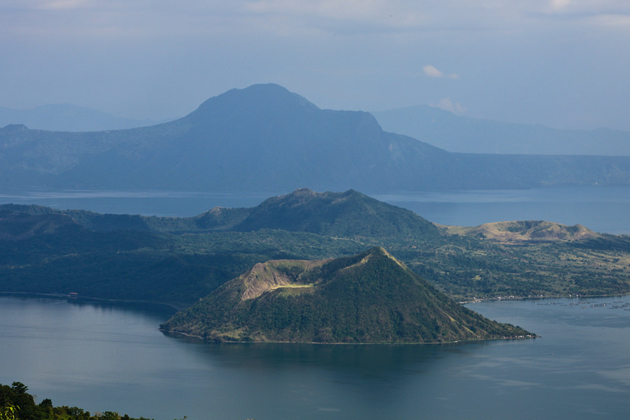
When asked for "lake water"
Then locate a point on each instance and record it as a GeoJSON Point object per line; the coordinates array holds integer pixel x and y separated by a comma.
{"type": "Point", "coordinates": [602, 209]}
{"type": "Point", "coordinates": [111, 357]}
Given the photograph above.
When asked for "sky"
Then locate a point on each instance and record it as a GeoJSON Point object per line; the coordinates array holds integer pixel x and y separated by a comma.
{"type": "Point", "coordinates": [562, 63]}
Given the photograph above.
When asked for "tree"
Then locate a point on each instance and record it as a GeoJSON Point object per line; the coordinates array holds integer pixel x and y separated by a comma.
{"type": "Point", "coordinates": [8, 413]}
{"type": "Point", "coordinates": [47, 403]}
{"type": "Point", "coordinates": [19, 388]}
{"type": "Point", "coordinates": [110, 415]}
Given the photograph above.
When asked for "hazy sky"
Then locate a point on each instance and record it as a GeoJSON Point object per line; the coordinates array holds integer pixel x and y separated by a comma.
{"type": "Point", "coordinates": [564, 63]}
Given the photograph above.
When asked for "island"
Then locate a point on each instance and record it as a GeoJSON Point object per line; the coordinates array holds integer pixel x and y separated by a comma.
{"type": "Point", "coordinates": [370, 297]}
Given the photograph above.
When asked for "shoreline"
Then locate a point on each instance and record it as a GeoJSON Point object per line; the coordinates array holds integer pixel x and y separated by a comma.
{"type": "Point", "coordinates": [385, 343]}
{"type": "Point", "coordinates": [500, 298]}
{"type": "Point", "coordinates": [61, 296]}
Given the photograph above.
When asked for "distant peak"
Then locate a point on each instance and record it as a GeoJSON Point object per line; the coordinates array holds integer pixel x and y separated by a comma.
{"type": "Point", "coordinates": [262, 96]}
{"type": "Point", "coordinates": [382, 252]}
{"type": "Point", "coordinates": [304, 191]}
{"type": "Point", "coordinates": [272, 91]}
{"type": "Point", "coordinates": [265, 87]}
{"type": "Point", "coordinates": [379, 250]}
{"type": "Point", "coordinates": [14, 127]}
{"type": "Point", "coordinates": [352, 192]}
{"type": "Point", "coordinates": [307, 193]}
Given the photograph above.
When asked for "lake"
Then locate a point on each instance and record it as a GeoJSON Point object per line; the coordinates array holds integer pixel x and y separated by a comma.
{"type": "Point", "coordinates": [602, 209]}
{"type": "Point", "coordinates": [112, 357]}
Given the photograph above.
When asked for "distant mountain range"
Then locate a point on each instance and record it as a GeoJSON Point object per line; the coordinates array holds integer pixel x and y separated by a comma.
{"type": "Point", "coordinates": [456, 133]}
{"type": "Point", "coordinates": [64, 117]}
{"type": "Point", "coordinates": [265, 138]}
{"type": "Point", "coordinates": [429, 124]}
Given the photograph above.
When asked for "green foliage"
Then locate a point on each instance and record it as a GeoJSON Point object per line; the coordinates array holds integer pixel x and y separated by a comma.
{"type": "Point", "coordinates": [17, 404]}
{"type": "Point", "coordinates": [347, 215]}
{"type": "Point", "coordinates": [180, 260]}
{"type": "Point", "coordinates": [366, 298]}
{"type": "Point", "coordinates": [8, 412]}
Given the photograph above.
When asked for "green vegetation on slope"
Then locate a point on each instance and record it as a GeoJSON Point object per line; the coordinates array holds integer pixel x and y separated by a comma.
{"type": "Point", "coordinates": [17, 404]}
{"type": "Point", "coordinates": [347, 215]}
{"type": "Point", "coordinates": [367, 298]}
{"type": "Point", "coordinates": [176, 269]}
{"type": "Point", "coordinates": [180, 260]}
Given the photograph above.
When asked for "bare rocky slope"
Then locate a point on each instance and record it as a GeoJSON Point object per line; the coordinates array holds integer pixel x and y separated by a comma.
{"type": "Point", "coordinates": [528, 230]}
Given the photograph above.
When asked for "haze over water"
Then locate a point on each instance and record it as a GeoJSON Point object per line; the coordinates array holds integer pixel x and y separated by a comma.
{"type": "Point", "coordinates": [602, 209]}
{"type": "Point", "coordinates": [107, 357]}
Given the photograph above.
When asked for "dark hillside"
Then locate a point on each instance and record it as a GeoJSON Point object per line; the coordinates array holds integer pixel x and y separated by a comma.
{"type": "Point", "coordinates": [180, 260]}
{"type": "Point", "coordinates": [349, 214]}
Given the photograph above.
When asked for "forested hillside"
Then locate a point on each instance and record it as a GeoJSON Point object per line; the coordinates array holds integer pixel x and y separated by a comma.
{"type": "Point", "coordinates": [179, 260]}
{"type": "Point", "coordinates": [366, 298]}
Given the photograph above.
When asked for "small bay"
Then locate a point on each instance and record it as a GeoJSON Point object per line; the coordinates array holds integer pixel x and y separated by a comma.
{"type": "Point", "coordinates": [112, 357]}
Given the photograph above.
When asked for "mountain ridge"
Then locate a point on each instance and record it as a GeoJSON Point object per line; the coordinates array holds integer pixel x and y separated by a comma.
{"type": "Point", "coordinates": [68, 118]}
{"type": "Point", "coordinates": [460, 134]}
{"type": "Point", "coordinates": [526, 230]}
{"type": "Point", "coordinates": [265, 138]}
{"type": "Point", "coordinates": [326, 213]}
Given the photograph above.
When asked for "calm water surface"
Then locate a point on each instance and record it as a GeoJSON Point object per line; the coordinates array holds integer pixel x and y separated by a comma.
{"type": "Point", "coordinates": [109, 357]}
{"type": "Point", "coordinates": [602, 209]}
